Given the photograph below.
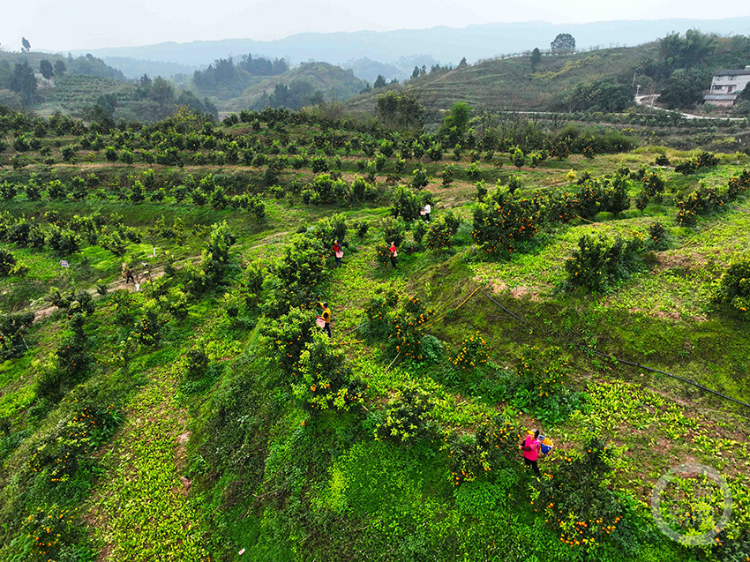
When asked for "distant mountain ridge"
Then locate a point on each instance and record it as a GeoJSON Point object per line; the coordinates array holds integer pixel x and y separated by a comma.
{"type": "Point", "coordinates": [443, 43]}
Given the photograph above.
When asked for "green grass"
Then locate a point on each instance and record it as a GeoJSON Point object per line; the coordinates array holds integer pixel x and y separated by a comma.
{"type": "Point", "coordinates": [269, 476]}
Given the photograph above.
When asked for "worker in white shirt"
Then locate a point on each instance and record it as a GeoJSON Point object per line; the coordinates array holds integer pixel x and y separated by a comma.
{"type": "Point", "coordinates": [426, 210]}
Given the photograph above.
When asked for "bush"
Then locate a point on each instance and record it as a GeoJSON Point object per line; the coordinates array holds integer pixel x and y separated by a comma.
{"type": "Point", "coordinates": [473, 352]}
{"type": "Point", "coordinates": [702, 201]}
{"type": "Point", "coordinates": [13, 326]}
{"type": "Point", "coordinates": [653, 184]}
{"type": "Point", "coordinates": [540, 387]}
{"type": "Point", "coordinates": [251, 283]}
{"type": "Point", "coordinates": [71, 362]}
{"type": "Point", "coordinates": [51, 529]}
{"type": "Point", "coordinates": [329, 229]}
{"type": "Point", "coordinates": [599, 261]}
{"type": "Point", "coordinates": [407, 417]}
{"type": "Point", "coordinates": [362, 228]}
{"type": "Point", "coordinates": [418, 231]}
{"type": "Point", "coordinates": [734, 288]}
{"type": "Point", "coordinates": [407, 328]}
{"type": "Point", "coordinates": [474, 457]}
{"type": "Point", "coordinates": [514, 184]}
{"type": "Point", "coordinates": [517, 157]}
{"type": "Point", "coordinates": [394, 231]}
{"type": "Point", "coordinates": [195, 363]}
{"type": "Point", "coordinates": [324, 381]}
{"type": "Point", "coordinates": [439, 235]}
{"type": "Point", "coordinates": [657, 237]}
{"type": "Point", "coordinates": [383, 254]}
{"type": "Point", "coordinates": [287, 337]}
{"type": "Point", "coordinates": [62, 241]}
{"type": "Point", "coordinates": [447, 175]}
{"type": "Point", "coordinates": [502, 223]}
{"type": "Point", "coordinates": [7, 262]}
{"type": "Point", "coordinates": [419, 178]}
{"type": "Point", "coordinates": [215, 255]}
{"type": "Point", "coordinates": [703, 160]}
{"type": "Point", "coordinates": [148, 329]}
{"type": "Point", "coordinates": [577, 503]}
{"type": "Point", "coordinates": [59, 454]}
{"type": "Point", "coordinates": [406, 203]}
{"type": "Point", "coordinates": [738, 184]}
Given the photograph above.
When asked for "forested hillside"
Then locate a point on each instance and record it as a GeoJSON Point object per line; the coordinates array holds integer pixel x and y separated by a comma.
{"type": "Point", "coordinates": [166, 392]}
{"type": "Point", "coordinates": [86, 87]}
{"type": "Point", "coordinates": [259, 83]}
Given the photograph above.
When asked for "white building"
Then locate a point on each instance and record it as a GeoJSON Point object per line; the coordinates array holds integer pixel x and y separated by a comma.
{"type": "Point", "coordinates": [726, 86]}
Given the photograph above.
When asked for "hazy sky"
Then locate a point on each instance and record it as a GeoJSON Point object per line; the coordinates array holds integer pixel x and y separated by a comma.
{"type": "Point", "coordinates": [87, 24]}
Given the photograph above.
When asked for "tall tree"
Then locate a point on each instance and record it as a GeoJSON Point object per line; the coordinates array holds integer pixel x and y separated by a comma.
{"type": "Point", "coordinates": [563, 42]}
{"type": "Point", "coordinates": [456, 123]}
{"type": "Point", "coordinates": [60, 67]}
{"type": "Point", "coordinates": [415, 73]}
{"type": "Point", "coordinates": [379, 81]}
{"type": "Point", "coordinates": [536, 57]}
{"type": "Point", "coordinates": [45, 67]}
{"type": "Point", "coordinates": [23, 81]}
{"type": "Point", "coordinates": [463, 63]}
{"type": "Point", "coordinates": [25, 45]}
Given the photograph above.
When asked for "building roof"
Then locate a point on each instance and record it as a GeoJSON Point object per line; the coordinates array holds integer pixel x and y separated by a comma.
{"type": "Point", "coordinates": [734, 72]}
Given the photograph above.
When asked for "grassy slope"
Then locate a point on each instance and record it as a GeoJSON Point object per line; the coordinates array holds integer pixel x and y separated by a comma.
{"type": "Point", "coordinates": [512, 84]}
{"type": "Point", "coordinates": [327, 489]}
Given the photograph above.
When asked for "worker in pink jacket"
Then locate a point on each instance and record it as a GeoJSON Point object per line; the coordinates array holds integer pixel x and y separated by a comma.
{"type": "Point", "coordinates": [531, 447]}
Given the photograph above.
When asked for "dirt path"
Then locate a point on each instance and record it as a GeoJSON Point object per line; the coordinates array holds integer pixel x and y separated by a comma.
{"type": "Point", "coordinates": [45, 311]}
{"type": "Point", "coordinates": [119, 284]}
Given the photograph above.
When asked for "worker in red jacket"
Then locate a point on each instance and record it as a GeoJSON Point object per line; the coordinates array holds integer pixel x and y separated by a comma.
{"type": "Point", "coordinates": [531, 447]}
{"type": "Point", "coordinates": [337, 252]}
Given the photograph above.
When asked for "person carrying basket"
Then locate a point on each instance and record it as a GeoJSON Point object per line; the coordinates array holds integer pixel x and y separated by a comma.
{"type": "Point", "coordinates": [337, 252]}
{"type": "Point", "coordinates": [325, 319]}
{"type": "Point", "coordinates": [530, 448]}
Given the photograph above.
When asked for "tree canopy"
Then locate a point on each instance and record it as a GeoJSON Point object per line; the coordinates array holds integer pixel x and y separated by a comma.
{"type": "Point", "coordinates": [536, 56]}
{"type": "Point", "coordinates": [297, 94]}
{"type": "Point", "coordinates": [682, 52]}
{"type": "Point", "coordinates": [401, 111]}
{"type": "Point", "coordinates": [459, 117]}
{"type": "Point", "coordinates": [23, 81]}
{"type": "Point", "coordinates": [563, 42]}
{"type": "Point", "coordinates": [45, 68]}
{"type": "Point", "coordinates": [601, 95]}
{"type": "Point", "coordinates": [60, 67]}
{"type": "Point", "coordinates": [684, 87]}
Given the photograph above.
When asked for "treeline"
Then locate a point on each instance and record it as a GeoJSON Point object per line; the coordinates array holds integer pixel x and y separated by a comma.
{"type": "Point", "coordinates": [152, 100]}
{"type": "Point", "coordinates": [225, 77]}
{"type": "Point", "coordinates": [686, 63]}
{"type": "Point", "coordinates": [296, 95]}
